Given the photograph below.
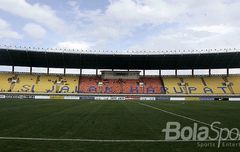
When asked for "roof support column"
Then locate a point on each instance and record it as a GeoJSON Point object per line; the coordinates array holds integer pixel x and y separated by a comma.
{"type": "Point", "coordinates": [176, 72]}
{"type": "Point", "coordinates": [227, 71]}
{"type": "Point", "coordinates": [30, 70]}
{"type": "Point", "coordinates": [160, 72]}
{"type": "Point", "coordinates": [64, 71]}
{"type": "Point", "coordinates": [80, 72]}
{"type": "Point", "coordinates": [13, 69]}
{"type": "Point", "coordinates": [79, 81]}
{"type": "Point", "coordinates": [144, 73]}
{"type": "Point", "coordinates": [48, 70]}
{"type": "Point", "coordinates": [209, 72]}
{"type": "Point", "coordinates": [192, 72]}
{"type": "Point", "coordinates": [96, 72]}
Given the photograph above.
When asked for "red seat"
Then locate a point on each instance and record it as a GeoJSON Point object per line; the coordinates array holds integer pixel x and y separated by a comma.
{"type": "Point", "coordinates": [144, 85]}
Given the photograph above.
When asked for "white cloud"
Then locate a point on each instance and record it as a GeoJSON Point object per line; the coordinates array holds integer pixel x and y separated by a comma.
{"type": "Point", "coordinates": [139, 12]}
{"type": "Point", "coordinates": [39, 13]}
{"type": "Point", "coordinates": [46, 17]}
{"type": "Point", "coordinates": [205, 24]}
{"type": "Point", "coordinates": [6, 31]}
{"type": "Point", "coordinates": [34, 30]}
{"type": "Point", "coordinates": [219, 29]}
{"type": "Point", "coordinates": [189, 39]}
{"type": "Point", "coordinates": [74, 45]}
{"type": "Point", "coordinates": [137, 24]}
{"type": "Point", "coordinates": [195, 24]}
{"type": "Point", "coordinates": [122, 17]}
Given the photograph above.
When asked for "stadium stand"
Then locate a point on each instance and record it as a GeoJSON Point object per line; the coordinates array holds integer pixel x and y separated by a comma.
{"type": "Point", "coordinates": [202, 85]}
{"type": "Point", "coordinates": [217, 85]}
{"type": "Point", "coordinates": [172, 85]}
{"type": "Point", "coordinates": [57, 84]}
{"type": "Point", "coordinates": [7, 82]}
{"type": "Point", "coordinates": [145, 85]}
{"type": "Point", "coordinates": [42, 83]}
{"type": "Point", "coordinates": [194, 82]}
{"type": "Point", "coordinates": [38, 83]}
{"type": "Point", "coordinates": [125, 81]}
{"type": "Point", "coordinates": [234, 83]}
{"type": "Point", "coordinates": [89, 84]}
{"type": "Point", "coordinates": [153, 85]}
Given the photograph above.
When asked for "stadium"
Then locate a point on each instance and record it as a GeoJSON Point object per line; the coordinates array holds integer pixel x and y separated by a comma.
{"type": "Point", "coordinates": [120, 107]}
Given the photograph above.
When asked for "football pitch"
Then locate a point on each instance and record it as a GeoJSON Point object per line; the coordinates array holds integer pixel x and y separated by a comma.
{"type": "Point", "coordinates": [110, 126]}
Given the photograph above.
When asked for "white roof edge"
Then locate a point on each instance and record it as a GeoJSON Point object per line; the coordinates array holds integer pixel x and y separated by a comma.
{"type": "Point", "coordinates": [98, 52]}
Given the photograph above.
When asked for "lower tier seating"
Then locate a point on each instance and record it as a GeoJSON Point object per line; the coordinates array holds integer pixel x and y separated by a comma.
{"type": "Point", "coordinates": [202, 85]}
{"type": "Point", "coordinates": [147, 85]}
{"type": "Point", "coordinates": [41, 83]}
{"type": "Point", "coordinates": [38, 83]}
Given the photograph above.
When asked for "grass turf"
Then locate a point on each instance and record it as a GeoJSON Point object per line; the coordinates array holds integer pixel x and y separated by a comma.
{"type": "Point", "coordinates": [105, 120]}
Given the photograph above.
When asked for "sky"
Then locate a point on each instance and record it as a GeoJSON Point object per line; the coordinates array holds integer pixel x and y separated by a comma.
{"type": "Point", "coordinates": [121, 25]}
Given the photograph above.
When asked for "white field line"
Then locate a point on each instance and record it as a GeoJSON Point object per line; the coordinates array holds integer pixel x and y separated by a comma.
{"type": "Point", "coordinates": [122, 140]}
{"type": "Point", "coordinates": [103, 140]}
{"type": "Point", "coordinates": [181, 116]}
{"type": "Point", "coordinates": [174, 114]}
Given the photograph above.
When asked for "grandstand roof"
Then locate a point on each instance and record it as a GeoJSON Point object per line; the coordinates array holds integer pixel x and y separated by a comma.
{"type": "Point", "coordinates": [32, 58]}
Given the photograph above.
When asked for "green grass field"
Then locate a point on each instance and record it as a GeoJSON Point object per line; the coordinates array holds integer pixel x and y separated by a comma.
{"type": "Point", "coordinates": [106, 120]}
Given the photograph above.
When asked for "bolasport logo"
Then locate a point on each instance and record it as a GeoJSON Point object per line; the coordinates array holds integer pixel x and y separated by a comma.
{"type": "Point", "coordinates": [174, 131]}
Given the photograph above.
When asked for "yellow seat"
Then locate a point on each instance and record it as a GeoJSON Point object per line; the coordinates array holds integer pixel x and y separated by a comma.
{"type": "Point", "coordinates": [194, 85]}
{"type": "Point", "coordinates": [25, 83]}
{"type": "Point", "coordinates": [57, 84]}
{"type": "Point", "coordinates": [38, 83]}
{"type": "Point", "coordinates": [172, 85]}
{"type": "Point", "coordinates": [216, 83]}
{"type": "Point", "coordinates": [235, 80]}
{"type": "Point", "coordinates": [202, 85]}
{"type": "Point", "coordinates": [5, 82]}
